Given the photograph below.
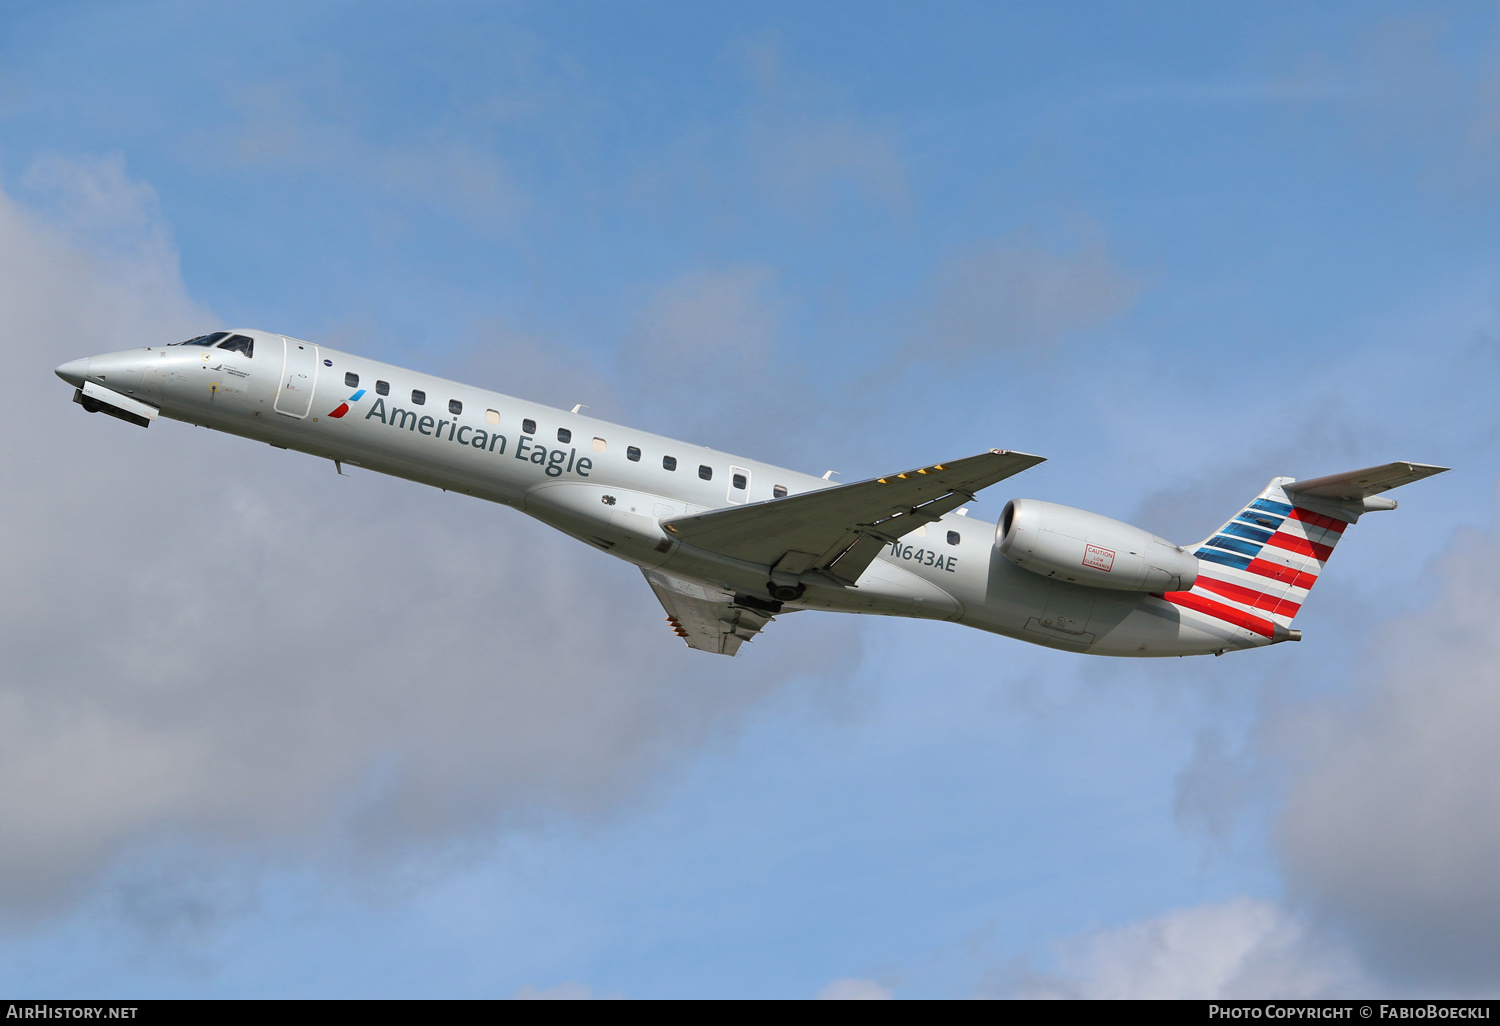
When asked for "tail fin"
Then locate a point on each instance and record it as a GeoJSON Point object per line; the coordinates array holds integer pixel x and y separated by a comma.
{"type": "Point", "coordinates": [1256, 570]}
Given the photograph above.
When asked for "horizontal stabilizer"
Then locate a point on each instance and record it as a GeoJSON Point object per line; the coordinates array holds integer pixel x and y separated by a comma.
{"type": "Point", "coordinates": [836, 532]}
{"type": "Point", "coordinates": [1360, 484]}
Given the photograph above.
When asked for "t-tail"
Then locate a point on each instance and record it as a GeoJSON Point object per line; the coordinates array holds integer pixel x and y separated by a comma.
{"type": "Point", "coordinates": [1255, 572]}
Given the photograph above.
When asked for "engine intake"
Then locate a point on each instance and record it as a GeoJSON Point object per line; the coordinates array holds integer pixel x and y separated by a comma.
{"type": "Point", "coordinates": [1085, 548]}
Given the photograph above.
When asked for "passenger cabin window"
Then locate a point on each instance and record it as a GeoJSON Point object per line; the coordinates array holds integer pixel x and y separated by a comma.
{"type": "Point", "coordinates": [418, 397]}
{"type": "Point", "coordinates": [455, 407]}
{"type": "Point", "coordinates": [201, 340]}
{"type": "Point", "coordinates": [492, 416]}
{"type": "Point", "coordinates": [779, 492]}
{"type": "Point", "coordinates": [351, 380]}
{"type": "Point", "coordinates": [528, 427]}
{"type": "Point", "coordinates": [632, 454]}
{"type": "Point", "coordinates": [952, 537]}
{"type": "Point", "coordinates": [669, 463]}
{"type": "Point", "coordinates": [740, 482]}
{"type": "Point", "coordinates": [239, 344]}
{"type": "Point", "coordinates": [564, 435]}
{"type": "Point", "coordinates": [706, 472]}
{"type": "Point", "coordinates": [600, 445]}
{"type": "Point", "coordinates": [382, 388]}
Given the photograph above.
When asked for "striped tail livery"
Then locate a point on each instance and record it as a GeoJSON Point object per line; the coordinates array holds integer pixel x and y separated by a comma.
{"type": "Point", "coordinates": [1255, 572]}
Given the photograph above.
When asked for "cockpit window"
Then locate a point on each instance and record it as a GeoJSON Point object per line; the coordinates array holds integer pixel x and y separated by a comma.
{"type": "Point", "coordinates": [201, 340]}
{"type": "Point", "coordinates": [239, 344]}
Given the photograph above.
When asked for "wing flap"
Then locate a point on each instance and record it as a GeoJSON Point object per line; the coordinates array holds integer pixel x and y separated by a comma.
{"type": "Point", "coordinates": [708, 619]}
{"type": "Point", "coordinates": [838, 531]}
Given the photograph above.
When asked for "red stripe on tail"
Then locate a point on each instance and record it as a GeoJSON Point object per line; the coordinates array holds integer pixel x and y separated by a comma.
{"type": "Point", "coordinates": [1277, 572]}
{"type": "Point", "coordinates": [1219, 611]}
{"type": "Point", "coordinates": [1307, 516]}
{"type": "Point", "coordinates": [1249, 596]}
{"type": "Point", "coordinates": [1301, 546]}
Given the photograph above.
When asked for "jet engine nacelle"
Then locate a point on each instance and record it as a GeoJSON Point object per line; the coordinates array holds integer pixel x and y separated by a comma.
{"type": "Point", "coordinates": [1085, 548]}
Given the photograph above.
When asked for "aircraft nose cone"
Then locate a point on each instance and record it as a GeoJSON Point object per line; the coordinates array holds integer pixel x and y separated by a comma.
{"type": "Point", "coordinates": [73, 372]}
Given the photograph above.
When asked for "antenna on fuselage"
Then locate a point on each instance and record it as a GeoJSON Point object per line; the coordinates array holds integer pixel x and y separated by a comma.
{"type": "Point", "coordinates": [829, 476]}
{"type": "Point", "coordinates": [580, 406]}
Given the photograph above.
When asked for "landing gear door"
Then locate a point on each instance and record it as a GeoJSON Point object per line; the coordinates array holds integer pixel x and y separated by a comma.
{"type": "Point", "coordinates": [299, 374]}
{"type": "Point", "coordinates": [739, 484]}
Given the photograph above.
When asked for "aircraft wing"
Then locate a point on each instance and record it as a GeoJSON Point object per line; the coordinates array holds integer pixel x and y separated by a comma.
{"type": "Point", "coordinates": [836, 532]}
{"type": "Point", "coordinates": [706, 618]}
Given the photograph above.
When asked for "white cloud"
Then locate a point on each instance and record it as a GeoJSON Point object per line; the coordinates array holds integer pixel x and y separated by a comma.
{"type": "Point", "coordinates": [1392, 827]}
{"type": "Point", "coordinates": [97, 206]}
{"type": "Point", "coordinates": [855, 990]}
{"type": "Point", "coordinates": [210, 639]}
{"type": "Point", "coordinates": [1238, 949]}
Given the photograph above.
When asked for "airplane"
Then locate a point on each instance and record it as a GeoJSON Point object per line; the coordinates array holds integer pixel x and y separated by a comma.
{"type": "Point", "coordinates": [728, 543]}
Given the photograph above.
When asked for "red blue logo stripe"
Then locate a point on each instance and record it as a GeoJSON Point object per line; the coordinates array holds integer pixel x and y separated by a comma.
{"type": "Point", "coordinates": [344, 406]}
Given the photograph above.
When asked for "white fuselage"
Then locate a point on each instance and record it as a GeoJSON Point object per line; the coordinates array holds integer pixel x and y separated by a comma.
{"type": "Point", "coordinates": [610, 486]}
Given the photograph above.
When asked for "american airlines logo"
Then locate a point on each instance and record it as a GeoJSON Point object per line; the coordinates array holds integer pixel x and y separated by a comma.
{"type": "Point", "coordinates": [344, 406]}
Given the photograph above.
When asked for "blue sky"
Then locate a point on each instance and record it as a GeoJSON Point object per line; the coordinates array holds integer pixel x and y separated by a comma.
{"type": "Point", "coordinates": [273, 732]}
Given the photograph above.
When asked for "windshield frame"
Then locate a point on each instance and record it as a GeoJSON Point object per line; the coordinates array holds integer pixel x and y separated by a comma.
{"type": "Point", "coordinates": [206, 341]}
{"type": "Point", "coordinates": [240, 343]}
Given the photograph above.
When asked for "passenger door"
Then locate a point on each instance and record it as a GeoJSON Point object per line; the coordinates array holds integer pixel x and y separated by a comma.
{"type": "Point", "coordinates": [299, 375]}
